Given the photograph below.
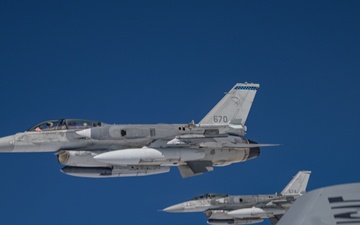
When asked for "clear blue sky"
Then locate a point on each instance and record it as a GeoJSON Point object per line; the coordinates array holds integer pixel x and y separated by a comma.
{"type": "Point", "coordinates": [171, 62]}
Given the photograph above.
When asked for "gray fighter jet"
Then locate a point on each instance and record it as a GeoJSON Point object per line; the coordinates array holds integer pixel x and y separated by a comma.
{"type": "Point", "coordinates": [95, 149]}
{"type": "Point", "coordinates": [245, 209]}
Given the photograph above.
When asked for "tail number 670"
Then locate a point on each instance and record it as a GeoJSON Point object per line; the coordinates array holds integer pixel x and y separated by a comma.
{"type": "Point", "coordinates": [219, 119]}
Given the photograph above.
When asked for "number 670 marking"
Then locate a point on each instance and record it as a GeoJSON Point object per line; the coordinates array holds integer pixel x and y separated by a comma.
{"type": "Point", "coordinates": [219, 119]}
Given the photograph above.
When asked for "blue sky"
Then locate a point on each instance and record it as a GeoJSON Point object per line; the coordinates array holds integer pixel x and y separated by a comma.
{"type": "Point", "coordinates": [170, 62]}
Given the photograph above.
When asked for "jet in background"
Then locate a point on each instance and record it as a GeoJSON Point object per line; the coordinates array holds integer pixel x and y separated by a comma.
{"type": "Point", "coordinates": [94, 149]}
{"type": "Point", "coordinates": [339, 204]}
{"type": "Point", "coordinates": [245, 209]}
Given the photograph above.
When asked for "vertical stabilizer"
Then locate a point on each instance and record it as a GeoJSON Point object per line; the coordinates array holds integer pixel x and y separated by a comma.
{"type": "Point", "coordinates": [234, 107]}
{"type": "Point", "coordinates": [297, 185]}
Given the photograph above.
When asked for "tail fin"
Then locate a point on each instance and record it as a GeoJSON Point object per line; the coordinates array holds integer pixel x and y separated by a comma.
{"type": "Point", "coordinates": [298, 184]}
{"type": "Point", "coordinates": [234, 107]}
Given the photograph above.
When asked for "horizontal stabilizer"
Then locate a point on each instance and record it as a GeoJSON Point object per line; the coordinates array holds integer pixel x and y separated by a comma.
{"type": "Point", "coordinates": [250, 145]}
{"type": "Point", "coordinates": [275, 219]}
{"type": "Point", "coordinates": [194, 168]}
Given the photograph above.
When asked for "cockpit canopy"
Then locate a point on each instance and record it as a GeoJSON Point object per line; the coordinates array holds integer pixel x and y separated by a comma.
{"type": "Point", "coordinates": [64, 124]}
{"type": "Point", "coordinates": [210, 196]}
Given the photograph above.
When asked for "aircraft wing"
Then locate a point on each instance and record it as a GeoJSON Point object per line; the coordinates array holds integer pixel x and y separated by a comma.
{"type": "Point", "coordinates": [332, 205]}
{"type": "Point", "coordinates": [284, 202]}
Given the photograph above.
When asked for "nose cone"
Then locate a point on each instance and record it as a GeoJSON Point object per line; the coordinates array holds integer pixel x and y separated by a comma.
{"type": "Point", "coordinates": [7, 144]}
{"type": "Point", "coordinates": [107, 157]}
{"type": "Point", "coordinates": [175, 208]}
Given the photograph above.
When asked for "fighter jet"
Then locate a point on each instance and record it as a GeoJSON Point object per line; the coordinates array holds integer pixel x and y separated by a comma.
{"type": "Point", "coordinates": [245, 209]}
{"type": "Point", "coordinates": [94, 149]}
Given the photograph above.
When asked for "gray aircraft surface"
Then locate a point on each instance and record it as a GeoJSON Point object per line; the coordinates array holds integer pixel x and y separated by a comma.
{"type": "Point", "coordinates": [245, 209]}
{"type": "Point", "coordinates": [339, 204]}
{"type": "Point", "coordinates": [94, 149]}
